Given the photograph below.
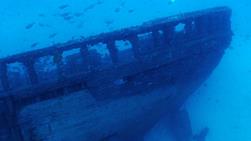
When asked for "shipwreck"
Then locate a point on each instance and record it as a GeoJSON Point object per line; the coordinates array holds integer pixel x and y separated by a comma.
{"type": "Point", "coordinates": [112, 85]}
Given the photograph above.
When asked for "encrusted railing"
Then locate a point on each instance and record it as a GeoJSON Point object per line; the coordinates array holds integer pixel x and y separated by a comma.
{"type": "Point", "coordinates": [163, 35]}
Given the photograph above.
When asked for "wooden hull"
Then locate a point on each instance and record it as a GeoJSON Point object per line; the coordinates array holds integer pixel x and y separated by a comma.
{"type": "Point", "coordinates": [119, 92]}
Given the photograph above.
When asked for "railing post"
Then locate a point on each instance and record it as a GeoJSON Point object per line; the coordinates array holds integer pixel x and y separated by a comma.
{"type": "Point", "coordinates": [189, 25]}
{"type": "Point", "coordinates": [4, 76]}
{"type": "Point", "coordinates": [29, 64]}
{"type": "Point", "coordinates": [85, 57]}
{"type": "Point", "coordinates": [113, 51]}
{"type": "Point", "coordinates": [58, 60]}
{"type": "Point", "coordinates": [168, 32]}
{"type": "Point", "coordinates": [156, 38]}
{"type": "Point", "coordinates": [135, 46]}
{"type": "Point", "coordinates": [10, 109]}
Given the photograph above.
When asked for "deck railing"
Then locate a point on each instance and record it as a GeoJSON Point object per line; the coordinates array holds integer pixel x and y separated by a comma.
{"type": "Point", "coordinates": [164, 34]}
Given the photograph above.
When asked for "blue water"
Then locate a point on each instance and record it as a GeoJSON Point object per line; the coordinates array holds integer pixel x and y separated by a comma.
{"type": "Point", "coordinates": [222, 103]}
